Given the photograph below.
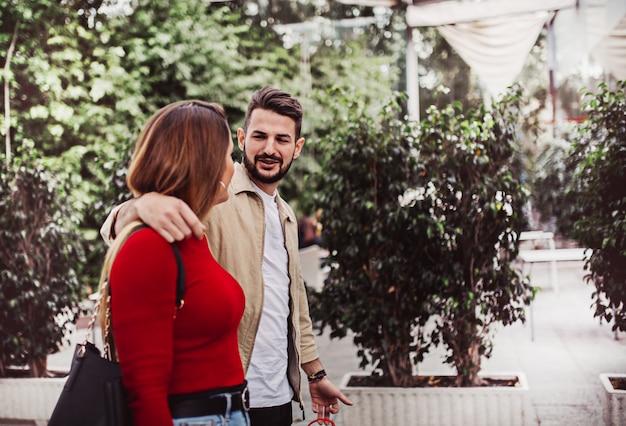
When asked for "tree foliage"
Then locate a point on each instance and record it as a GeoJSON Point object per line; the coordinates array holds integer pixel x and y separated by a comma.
{"type": "Point", "coordinates": [86, 74]}
{"type": "Point", "coordinates": [375, 286]}
{"type": "Point", "coordinates": [598, 160]}
{"type": "Point", "coordinates": [553, 173]}
{"type": "Point", "coordinates": [473, 172]}
{"type": "Point", "coordinates": [580, 186]}
{"type": "Point", "coordinates": [440, 66]}
{"type": "Point", "coordinates": [421, 223]}
{"type": "Point", "coordinates": [55, 74]}
{"type": "Point", "coordinates": [39, 257]}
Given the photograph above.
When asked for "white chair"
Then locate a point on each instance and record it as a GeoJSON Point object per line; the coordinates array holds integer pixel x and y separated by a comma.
{"type": "Point", "coordinates": [311, 263]}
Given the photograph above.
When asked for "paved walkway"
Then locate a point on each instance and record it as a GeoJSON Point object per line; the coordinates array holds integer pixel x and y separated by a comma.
{"type": "Point", "coordinates": [562, 363]}
{"type": "Point", "coordinates": [570, 349]}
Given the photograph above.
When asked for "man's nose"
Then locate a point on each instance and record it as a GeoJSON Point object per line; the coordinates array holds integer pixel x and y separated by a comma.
{"type": "Point", "coordinates": [270, 146]}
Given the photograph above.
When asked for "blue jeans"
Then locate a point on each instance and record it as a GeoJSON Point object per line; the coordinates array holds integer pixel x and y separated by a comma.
{"type": "Point", "coordinates": [236, 418]}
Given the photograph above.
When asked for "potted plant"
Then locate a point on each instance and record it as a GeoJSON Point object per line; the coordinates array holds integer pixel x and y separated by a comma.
{"type": "Point", "coordinates": [614, 404]}
{"type": "Point", "coordinates": [598, 194]}
{"type": "Point", "coordinates": [598, 160]}
{"type": "Point", "coordinates": [421, 223]}
{"type": "Point", "coordinates": [39, 251]}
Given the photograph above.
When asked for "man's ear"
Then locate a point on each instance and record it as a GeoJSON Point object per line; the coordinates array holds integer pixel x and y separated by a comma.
{"type": "Point", "coordinates": [241, 138]}
{"type": "Point", "coordinates": [299, 145]}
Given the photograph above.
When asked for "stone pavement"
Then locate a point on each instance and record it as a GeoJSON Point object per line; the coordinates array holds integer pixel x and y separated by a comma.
{"type": "Point", "coordinates": [570, 349]}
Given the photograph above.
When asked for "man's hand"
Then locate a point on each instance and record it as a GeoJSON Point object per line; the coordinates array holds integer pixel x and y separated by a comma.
{"type": "Point", "coordinates": [169, 216]}
{"type": "Point", "coordinates": [325, 398]}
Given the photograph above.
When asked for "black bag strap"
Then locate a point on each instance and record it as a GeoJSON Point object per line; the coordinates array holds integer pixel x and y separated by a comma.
{"type": "Point", "coordinates": [180, 279]}
{"type": "Point", "coordinates": [105, 288]}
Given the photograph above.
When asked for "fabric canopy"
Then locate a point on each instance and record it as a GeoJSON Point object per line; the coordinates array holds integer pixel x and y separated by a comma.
{"type": "Point", "coordinates": [611, 50]}
{"type": "Point", "coordinates": [493, 37]}
{"type": "Point", "coordinates": [596, 29]}
{"type": "Point", "coordinates": [454, 12]}
{"type": "Point", "coordinates": [496, 48]}
{"type": "Point", "coordinates": [582, 29]}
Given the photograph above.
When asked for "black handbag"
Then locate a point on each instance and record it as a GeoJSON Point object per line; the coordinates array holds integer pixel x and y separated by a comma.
{"type": "Point", "coordinates": [93, 394]}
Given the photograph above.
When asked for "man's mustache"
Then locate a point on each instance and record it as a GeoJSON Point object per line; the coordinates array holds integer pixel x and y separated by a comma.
{"type": "Point", "coordinates": [268, 157]}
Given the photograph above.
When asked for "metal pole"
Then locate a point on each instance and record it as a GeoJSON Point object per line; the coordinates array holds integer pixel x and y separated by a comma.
{"type": "Point", "coordinates": [551, 68]}
{"type": "Point", "coordinates": [412, 77]}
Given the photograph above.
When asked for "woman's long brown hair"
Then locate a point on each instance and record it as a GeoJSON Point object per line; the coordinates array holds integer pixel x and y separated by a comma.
{"type": "Point", "coordinates": [181, 152]}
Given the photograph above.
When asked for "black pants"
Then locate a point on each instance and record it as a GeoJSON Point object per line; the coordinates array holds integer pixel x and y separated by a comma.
{"type": "Point", "coordinates": [271, 416]}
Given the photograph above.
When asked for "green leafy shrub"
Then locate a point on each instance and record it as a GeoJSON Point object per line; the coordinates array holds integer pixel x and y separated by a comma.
{"type": "Point", "coordinates": [39, 254]}
{"type": "Point", "coordinates": [472, 167]}
{"type": "Point", "coordinates": [421, 224]}
{"type": "Point", "coordinates": [598, 158]}
{"type": "Point", "coordinates": [376, 286]}
{"type": "Point", "coordinates": [553, 173]}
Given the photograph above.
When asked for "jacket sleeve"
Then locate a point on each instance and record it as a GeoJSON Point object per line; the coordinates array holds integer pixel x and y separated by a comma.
{"type": "Point", "coordinates": [107, 226]}
{"type": "Point", "coordinates": [308, 349]}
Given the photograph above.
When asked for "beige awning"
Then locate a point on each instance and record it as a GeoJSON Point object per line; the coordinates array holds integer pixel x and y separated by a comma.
{"type": "Point", "coordinates": [455, 12]}
{"type": "Point", "coordinates": [496, 48]}
{"type": "Point", "coordinates": [494, 37]}
{"type": "Point", "coordinates": [611, 50]}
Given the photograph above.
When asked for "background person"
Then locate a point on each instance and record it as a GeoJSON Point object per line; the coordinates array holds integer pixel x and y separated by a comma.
{"type": "Point", "coordinates": [307, 233]}
{"type": "Point", "coordinates": [254, 236]}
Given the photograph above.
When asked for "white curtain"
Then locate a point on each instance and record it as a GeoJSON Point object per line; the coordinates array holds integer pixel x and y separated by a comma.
{"type": "Point", "coordinates": [611, 51]}
{"type": "Point", "coordinates": [596, 28]}
{"type": "Point", "coordinates": [496, 48]}
{"type": "Point", "coordinates": [435, 13]}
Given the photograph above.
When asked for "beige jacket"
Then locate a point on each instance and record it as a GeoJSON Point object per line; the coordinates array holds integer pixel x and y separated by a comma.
{"type": "Point", "coordinates": [236, 233]}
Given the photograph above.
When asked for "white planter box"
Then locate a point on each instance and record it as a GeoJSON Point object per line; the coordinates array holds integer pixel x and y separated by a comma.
{"type": "Point", "coordinates": [614, 401]}
{"type": "Point", "coordinates": [29, 398]}
{"type": "Point", "coordinates": [479, 406]}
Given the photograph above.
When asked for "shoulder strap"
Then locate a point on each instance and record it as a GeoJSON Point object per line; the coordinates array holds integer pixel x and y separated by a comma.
{"type": "Point", "coordinates": [180, 279]}
{"type": "Point", "coordinates": [102, 308]}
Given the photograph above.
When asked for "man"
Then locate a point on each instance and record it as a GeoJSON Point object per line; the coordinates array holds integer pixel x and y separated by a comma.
{"type": "Point", "coordinates": [254, 236]}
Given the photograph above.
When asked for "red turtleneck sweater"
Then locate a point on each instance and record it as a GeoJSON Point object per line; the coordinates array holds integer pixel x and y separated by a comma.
{"type": "Point", "coordinates": [163, 351]}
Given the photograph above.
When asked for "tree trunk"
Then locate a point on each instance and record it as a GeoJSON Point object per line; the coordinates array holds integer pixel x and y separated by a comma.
{"type": "Point", "coordinates": [467, 342]}
{"type": "Point", "coordinates": [38, 366]}
{"type": "Point", "coordinates": [398, 362]}
{"type": "Point", "coordinates": [469, 366]}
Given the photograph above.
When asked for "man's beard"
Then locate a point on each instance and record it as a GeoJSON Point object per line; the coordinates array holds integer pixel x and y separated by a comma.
{"type": "Point", "coordinates": [256, 175]}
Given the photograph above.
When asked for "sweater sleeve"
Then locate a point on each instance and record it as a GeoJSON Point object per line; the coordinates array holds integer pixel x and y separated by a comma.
{"type": "Point", "coordinates": [143, 282]}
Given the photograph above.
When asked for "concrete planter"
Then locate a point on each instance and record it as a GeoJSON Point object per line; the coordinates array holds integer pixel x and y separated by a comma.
{"type": "Point", "coordinates": [480, 406]}
{"type": "Point", "coordinates": [29, 398]}
{"type": "Point", "coordinates": [614, 401]}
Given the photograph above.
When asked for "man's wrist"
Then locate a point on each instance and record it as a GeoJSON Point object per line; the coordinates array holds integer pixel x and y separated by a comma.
{"type": "Point", "coordinates": [316, 377]}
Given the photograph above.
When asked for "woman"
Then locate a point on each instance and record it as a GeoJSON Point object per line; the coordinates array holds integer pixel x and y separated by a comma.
{"type": "Point", "coordinates": [179, 366]}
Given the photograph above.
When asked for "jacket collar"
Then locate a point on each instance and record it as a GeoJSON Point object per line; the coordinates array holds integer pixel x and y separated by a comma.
{"type": "Point", "coordinates": [241, 183]}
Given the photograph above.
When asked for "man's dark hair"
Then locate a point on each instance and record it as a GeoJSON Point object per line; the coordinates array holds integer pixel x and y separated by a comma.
{"type": "Point", "coordinates": [277, 101]}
